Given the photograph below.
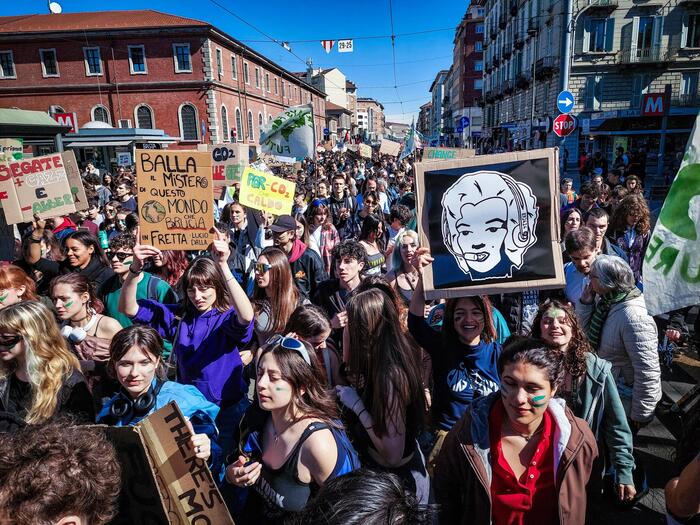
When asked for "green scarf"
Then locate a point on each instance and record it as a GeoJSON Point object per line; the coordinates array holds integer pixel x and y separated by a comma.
{"type": "Point", "coordinates": [602, 309]}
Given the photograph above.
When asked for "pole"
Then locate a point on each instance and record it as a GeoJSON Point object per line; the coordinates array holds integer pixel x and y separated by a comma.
{"type": "Point", "coordinates": [534, 92]}
{"type": "Point", "coordinates": [664, 125]}
{"type": "Point", "coordinates": [566, 46]}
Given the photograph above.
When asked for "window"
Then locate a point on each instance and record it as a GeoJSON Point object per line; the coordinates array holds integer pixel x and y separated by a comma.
{"type": "Point", "coordinates": [478, 83]}
{"type": "Point", "coordinates": [478, 65]}
{"type": "Point", "coordinates": [224, 124]}
{"type": "Point", "coordinates": [480, 12]}
{"type": "Point", "coordinates": [646, 38]}
{"type": "Point", "coordinates": [267, 82]}
{"type": "Point", "coordinates": [246, 78]}
{"type": "Point", "coordinates": [100, 114]}
{"type": "Point", "coordinates": [144, 117]}
{"type": "Point", "coordinates": [276, 86]}
{"type": "Point", "coordinates": [479, 28]}
{"type": "Point", "coordinates": [234, 67]}
{"type": "Point", "coordinates": [594, 93]}
{"type": "Point", "coordinates": [181, 55]}
{"type": "Point", "coordinates": [260, 122]}
{"type": "Point", "coordinates": [690, 34]}
{"type": "Point", "coordinates": [257, 77]}
{"type": "Point", "coordinates": [137, 60]}
{"type": "Point", "coordinates": [219, 63]}
{"type": "Point", "coordinates": [598, 34]}
{"type": "Point", "coordinates": [251, 133]}
{"type": "Point", "coordinates": [49, 64]}
{"type": "Point", "coordinates": [7, 65]}
{"type": "Point", "coordinates": [283, 95]}
{"type": "Point", "coordinates": [689, 88]}
{"type": "Point", "coordinates": [93, 62]}
{"type": "Point", "coordinates": [188, 123]}
{"type": "Point", "coordinates": [239, 125]}
{"type": "Point", "coordinates": [478, 46]}
{"type": "Point", "coordinates": [640, 85]}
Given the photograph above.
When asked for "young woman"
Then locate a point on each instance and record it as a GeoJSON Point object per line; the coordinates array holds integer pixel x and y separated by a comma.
{"type": "Point", "coordinates": [385, 401]}
{"type": "Point", "coordinates": [309, 323]}
{"type": "Point", "coordinates": [39, 376]}
{"type": "Point", "coordinates": [291, 444]}
{"type": "Point", "coordinates": [83, 255]}
{"type": "Point", "coordinates": [15, 286]}
{"type": "Point", "coordinates": [322, 234]}
{"type": "Point", "coordinates": [630, 228]}
{"type": "Point", "coordinates": [216, 321]}
{"type": "Point", "coordinates": [274, 297]}
{"type": "Point", "coordinates": [372, 240]}
{"type": "Point", "coordinates": [136, 362]}
{"type": "Point", "coordinates": [370, 206]}
{"type": "Point", "coordinates": [302, 228]}
{"type": "Point", "coordinates": [404, 277]}
{"type": "Point", "coordinates": [571, 220]}
{"type": "Point", "coordinates": [170, 265]}
{"type": "Point", "coordinates": [633, 184]}
{"type": "Point", "coordinates": [519, 455]}
{"type": "Point", "coordinates": [589, 388]}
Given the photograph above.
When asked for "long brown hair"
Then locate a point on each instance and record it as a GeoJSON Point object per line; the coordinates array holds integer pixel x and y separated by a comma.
{"type": "Point", "coordinates": [448, 325]}
{"type": "Point", "coordinates": [80, 285]}
{"type": "Point", "coordinates": [383, 362]}
{"type": "Point", "coordinates": [284, 295]}
{"type": "Point", "coordinates": [575, 357]}
{"type": "Point", "coordinates": [632, 203]}
{"type": "Point", "coordinates": [13, 277]}
{"type": "Point", "coordinates": [204, 272]}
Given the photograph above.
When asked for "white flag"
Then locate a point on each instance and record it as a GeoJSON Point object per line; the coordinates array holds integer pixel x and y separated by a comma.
{"type": "Point", "coordinates": [411, 143]}
{"type": "Point", "coordinates": [671, 271]}
{"type": "Point", "coordinates": [344, 46]}
{"type": "Point", "coordinates": [291, 134]}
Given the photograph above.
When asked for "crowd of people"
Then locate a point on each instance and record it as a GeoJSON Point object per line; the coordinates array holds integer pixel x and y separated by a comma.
{"type": "Point", "coordinates": [320, 384]}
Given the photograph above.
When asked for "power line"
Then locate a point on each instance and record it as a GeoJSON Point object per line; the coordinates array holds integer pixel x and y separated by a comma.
{"type": "Point", "coordinates": [369, 37]}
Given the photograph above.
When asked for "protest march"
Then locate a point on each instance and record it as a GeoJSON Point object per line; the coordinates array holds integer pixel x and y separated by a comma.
{"type": "Point", "coordinates": [277, 306]}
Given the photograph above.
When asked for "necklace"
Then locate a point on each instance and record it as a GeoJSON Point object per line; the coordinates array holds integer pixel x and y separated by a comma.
{"type": "Point", "coordinates": [276, 435]}
{"type": "Point", "coordinates": [526, 437]}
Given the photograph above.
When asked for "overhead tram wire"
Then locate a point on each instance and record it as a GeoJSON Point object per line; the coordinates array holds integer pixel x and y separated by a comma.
{"type": "Point", "coordinates": [393, 56]}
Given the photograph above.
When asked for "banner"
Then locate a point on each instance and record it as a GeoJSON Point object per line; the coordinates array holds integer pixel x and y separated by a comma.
{"type": "Point", "coordinates": [75, 180]}
{"type": "Point", "coordinates": [290, 134]}
{"type": "Point", "coordinates": [175, 196]}
{"type": "Point", "coordinates": [263, 191]}
{"type": "Point", "coordinates": [389, 147]}
{"type": "Point", "coordinates": [447, 153]}
{"type": "Point", "coordinates": [11, 149]}
{"type": "Point", "coordinates": [491, 222]}
{"type": "Point", "coordinates": [36, 186]}
{"type": "Point", "coordinates": [162, 479]}
{"type": "Point", "coordinates": [671, 268]}
{"type": "Point", "coordinates": [345, 46]}
{"type": "Point", "coordinates": [124, 158]}
{"type": "Point", "coordinates": [228, 162]}
{"type": "Point", "coordinates": [365, 151]}
{"type": "Point", "coordinates": [411, 143]}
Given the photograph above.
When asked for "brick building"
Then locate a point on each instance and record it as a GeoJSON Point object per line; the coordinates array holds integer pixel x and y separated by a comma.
{"type": "Point", "coordinates": [424, 119]}
{"type": "Point", "coordinates": [146, 69]}
{"type": "Point", "coordinates": [370, 118]}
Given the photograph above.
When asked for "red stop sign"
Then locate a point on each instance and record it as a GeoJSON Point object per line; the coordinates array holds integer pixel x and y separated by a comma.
{"type": "Point", "coordinates": [564, 125]}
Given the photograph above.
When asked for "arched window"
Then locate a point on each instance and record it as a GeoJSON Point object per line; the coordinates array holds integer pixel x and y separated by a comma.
{"type": "Point", "coordinates": [188, 122]}
{"type": "Point", "coordinates": [260, 122]}
{"type": "Point", "coordinates": [100, 114]}
{"type": "Point", "coordinates": [239, 125]}
{"type": "Point", "coordinates": [251, 131]}
{"type": "Point", "coordinates": [224, 124]}
{"type": "Point", "coordinates": [269, 118]}
{"type": "Point", "coordinates": [144, 117]}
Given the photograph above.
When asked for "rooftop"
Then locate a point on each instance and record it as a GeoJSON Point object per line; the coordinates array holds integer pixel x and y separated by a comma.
{"type": "Point", "coordinates": [334, 108]}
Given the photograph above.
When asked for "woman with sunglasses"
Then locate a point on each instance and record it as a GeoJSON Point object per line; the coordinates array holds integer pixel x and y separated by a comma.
{"type": "Point", "coordinates": [370, 206]}
{"type": "Point", "coordinates": [322, 234]}
{"type": "Point", "coordinates": [136, 362]}
{"type": "Point", "coordinates": [274, 297]}
{"type": "Point", "coordinates": [292, 442]}
{"type": "Point", "coordinates": [39, 376]}
{"type": "Point", "coordinates": [589, 389]}
{"type": "Point", "coordinates": [385, 400]}
{"type": "Point", "coordinates": [216, 321]}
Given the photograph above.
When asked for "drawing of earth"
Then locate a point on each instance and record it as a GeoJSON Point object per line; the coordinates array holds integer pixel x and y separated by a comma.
{"type": "Point", "coordinates": [153, 212]}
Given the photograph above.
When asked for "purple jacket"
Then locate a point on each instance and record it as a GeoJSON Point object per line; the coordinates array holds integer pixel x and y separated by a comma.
{"type": "Point", "coordinates": [206, 348]}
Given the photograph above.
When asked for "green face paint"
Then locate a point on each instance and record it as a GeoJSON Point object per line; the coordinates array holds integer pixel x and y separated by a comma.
{"type": "Point", "coordinates": [556, 313]}
{"type": "Point", "coordinates": [68, 304]}
{"type": "Point", "coordinates": [280, 389]}
{"type": "Point", "coordinates": [4, 297]}
{"type": "Point", "coordinates": [537, 401]}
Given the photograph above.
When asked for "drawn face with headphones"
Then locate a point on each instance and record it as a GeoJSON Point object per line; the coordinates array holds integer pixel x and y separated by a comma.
{"type": "Point", "coordinates": [135, 370]}
{"type": "Point", "coordinates": [488, 223]}
{"type": "Point", "coordinates": [69, 303]}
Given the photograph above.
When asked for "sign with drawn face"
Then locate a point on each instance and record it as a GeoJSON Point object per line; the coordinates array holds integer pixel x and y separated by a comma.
{"type": "Point", "coordinates": [491, 223]}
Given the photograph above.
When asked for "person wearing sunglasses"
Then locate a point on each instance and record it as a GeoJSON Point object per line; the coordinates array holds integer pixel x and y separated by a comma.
{"type": "Point", "coordinates": [39, 376]}
{"type": "Point", "coordinates": [120, 256]}
{"type": "Point", "coordinates": [292, 441]}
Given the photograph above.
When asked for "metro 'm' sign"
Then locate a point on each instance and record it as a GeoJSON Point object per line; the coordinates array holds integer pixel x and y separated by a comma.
{"type": "Point", "coordinates": [653, 105]}
{"type": "Point", "coordinates": [67, 119]}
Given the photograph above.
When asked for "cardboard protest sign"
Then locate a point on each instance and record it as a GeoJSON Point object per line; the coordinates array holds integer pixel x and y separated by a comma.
{"type": "Point", "coordinates": [447, 153]}
{"type": "Point", "coordinates": [228, 161]}
{"type": "Point", "coordinates": [365, 151]}
{"type": "Point", "coordinates": [389, 147]}
{"type": "Point", "coordinates": [175, 196]}
{"type": "Point", "coordinates": [124, 158]}
{"type": "Point", "coordinates": [11, 149]}
{"type": "Point", "coordinates": [263, 191]}
{"type": "Point", "coordinates": [163, 482]}
{"type": "Point", "coordinates": [491, 222]}
{"type": "Point", "coordinates": [36, 186]}
{"type": "Point", "coordinates": [75, 181]}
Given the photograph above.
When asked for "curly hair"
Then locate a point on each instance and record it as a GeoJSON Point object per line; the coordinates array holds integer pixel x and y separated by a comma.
{"type": "Point", "coordinates": [122, 240]}
{"type": "Point", "coordinates": [575, 357]}
{"type": "Point", "coordinates": [54, 470]}
{"type": "Point", "coordinates": [633, 203]}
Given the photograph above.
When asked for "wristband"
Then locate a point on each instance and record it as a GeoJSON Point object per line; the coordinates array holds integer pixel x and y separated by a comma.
{"type": "Point", "coordinates": [131, 271]}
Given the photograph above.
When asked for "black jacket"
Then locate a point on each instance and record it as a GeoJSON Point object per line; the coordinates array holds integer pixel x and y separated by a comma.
{"type": "Point", "coordinates": [307, 269]}
{"type": "Point", "coordinates": [95, 271]}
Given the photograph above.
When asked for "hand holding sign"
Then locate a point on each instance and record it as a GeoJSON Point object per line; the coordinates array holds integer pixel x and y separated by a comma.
{"type": "Point", "coordinates": [421, 258]}
{"type": "Point", "coordinates": [201, 444]}
{"type": "Point", "coordinates": [220, 249]}
{"type": "Point", "coordinates": [141, 253]}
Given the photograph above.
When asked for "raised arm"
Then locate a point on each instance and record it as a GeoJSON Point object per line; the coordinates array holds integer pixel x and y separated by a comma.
{"type": "Point", "coordinates": [220, 251]}
{"type": "Point", "coordinates": [421, 259]}
{"type": "Point", "coordinates": [33, 253]}
{"type": "Point", "coordinates": [127, 297]}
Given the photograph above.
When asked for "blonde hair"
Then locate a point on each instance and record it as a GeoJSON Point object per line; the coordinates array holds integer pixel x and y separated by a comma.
{"type": "Point", "coordinates": [49, 361]}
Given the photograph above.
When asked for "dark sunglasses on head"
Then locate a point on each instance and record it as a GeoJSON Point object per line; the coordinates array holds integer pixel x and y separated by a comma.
{"type": "Point", "coordinates": [10, 340]}
{"type": "Point", "coordinates": [262, 267]}
{"type": "Point", "coordinates": [119, 255]}
{"type": "Point", "coordinates": [290, 343]}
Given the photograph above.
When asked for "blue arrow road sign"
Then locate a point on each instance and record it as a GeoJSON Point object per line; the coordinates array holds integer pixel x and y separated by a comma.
{"type": "Point", "coordinates": [464, 121]}
{"type": "Point", "coordinates": [565, 102]}
{"type": "Point", "coordinates": [326, 131]}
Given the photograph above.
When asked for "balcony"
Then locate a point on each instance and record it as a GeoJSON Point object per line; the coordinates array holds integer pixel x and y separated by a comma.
{"type": "Point", "coordinates": [518, 41]}
{"type": "Point", "coordinates": [688, 100]}
{"type": "Point", "coordinates": [545, 67]}
{"type": "Point", "coordinates": [522, 81]}
{"type": "Point", "coordinates": [508, 87]}
{"type": "Point", "coordinates": [533, 25]}
{"type": "Point", "coordinates": [506, 51]}
{"type": "Point", "coordinates": [489, 97]}
{"type": "Point", "coordinates": [645, 55]}
{"type": "Point", "coordinates": [502, 21]}
{"type": "Point", "coordinates": [599, 5]}
{"type": "Point", "coordinates": [479, 101]}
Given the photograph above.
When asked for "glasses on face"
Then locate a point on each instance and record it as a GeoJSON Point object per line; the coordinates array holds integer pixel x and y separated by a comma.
{"type": "Point", "coordinates": [8, 341]}
{"type": "Point", "coordinates": [119, 255]}
{"type": "Point", "coordinates": [290, 343]}
{"type": "Point", "coordinates": [369, 202]}
{"type": "Point", "coordinates": [262, 267]}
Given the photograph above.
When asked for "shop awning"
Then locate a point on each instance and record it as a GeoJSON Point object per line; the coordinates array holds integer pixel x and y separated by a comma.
{"type": "Point", "coordinates": [19, 123]}
{"type": "Point", "coordinates": [79, 144]}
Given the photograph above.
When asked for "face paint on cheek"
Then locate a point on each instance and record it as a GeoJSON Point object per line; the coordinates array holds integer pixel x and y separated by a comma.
{"type": "Point", "coordinates": [68, 304]}
{"type": "Point", "coordinates": [280, 389]}
{"type": "Point", "coordinates": [3, 298]}
{"type": "Point", "coordinates": [537, 401]}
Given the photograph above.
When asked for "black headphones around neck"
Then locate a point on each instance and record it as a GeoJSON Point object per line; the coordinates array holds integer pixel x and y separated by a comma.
{"type": "Point", "coordinates": [124, 406]}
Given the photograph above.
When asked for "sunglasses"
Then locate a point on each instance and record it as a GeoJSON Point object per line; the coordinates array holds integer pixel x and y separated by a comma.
{"type": "Point", "coordinates": [9, 341]}
{"type": "Point", "coordinates": [262, 267]}
{"type": "Point", "coordinates": [119, 255]}
{"type": "Point", "coordinates": [290, 343]}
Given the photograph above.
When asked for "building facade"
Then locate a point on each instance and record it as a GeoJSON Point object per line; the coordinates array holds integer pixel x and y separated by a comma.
{"type": "Point", "coordinates": [146, 69]}
{"type": "Point", "coordinates": [437, 93]}
{"type": "Point", "coordinates": [371, 113]}
{"type": "Point", "coordinates": [424, 119]}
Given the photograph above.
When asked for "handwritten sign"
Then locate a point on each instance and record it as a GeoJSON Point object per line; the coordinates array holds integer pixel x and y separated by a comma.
{"type": "Point", "coordinates": [75, 181]}
{"type": "Point", "coordinates": [389, 147]}
{"type": "Point", "coordinates": [11, 149]}
{"type": "Point", "coordinates": [366, 151]}
{"type": "Point", "coordinates": [175, 195]}
{"type": "Point", "coordinates": [124, 158]}
{"type": "Point", "coordinates": [36, 186]}
{"type": "Point", "coordinates": [447, 153]}
{"type": "Point", "coordinates": [228, 161]}
{"type": "Point", "coordinates": [265, 192]}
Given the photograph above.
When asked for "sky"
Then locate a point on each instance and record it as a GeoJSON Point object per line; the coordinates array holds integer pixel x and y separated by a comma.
{"type": "Point", "coordinates": [418, 56]}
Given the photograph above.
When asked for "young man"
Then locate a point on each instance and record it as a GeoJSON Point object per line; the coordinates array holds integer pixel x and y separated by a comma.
{"type": "Point", "coordinates": [343, 207]}
{"type": "Point", "coordinates": [587, 199]}
{"type": "Point", "coordinates": [597, 221]}
{"type": "Point", "coordinates": [307, 266]}
{"type": "Point", "coordinates": [123, 193]}
{"type": "Point", "coordinates": [567, 194]}
{"type": "Point", "coordinates": [581, 246]}
{"type": "Point", "coordinates": [104, 194]}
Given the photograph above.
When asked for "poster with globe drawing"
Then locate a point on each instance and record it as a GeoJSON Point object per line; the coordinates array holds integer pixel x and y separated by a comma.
{"type": "Point", "coordinates": [175, 196]}
{"type": "Point", "coordinates": [491, 222]}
